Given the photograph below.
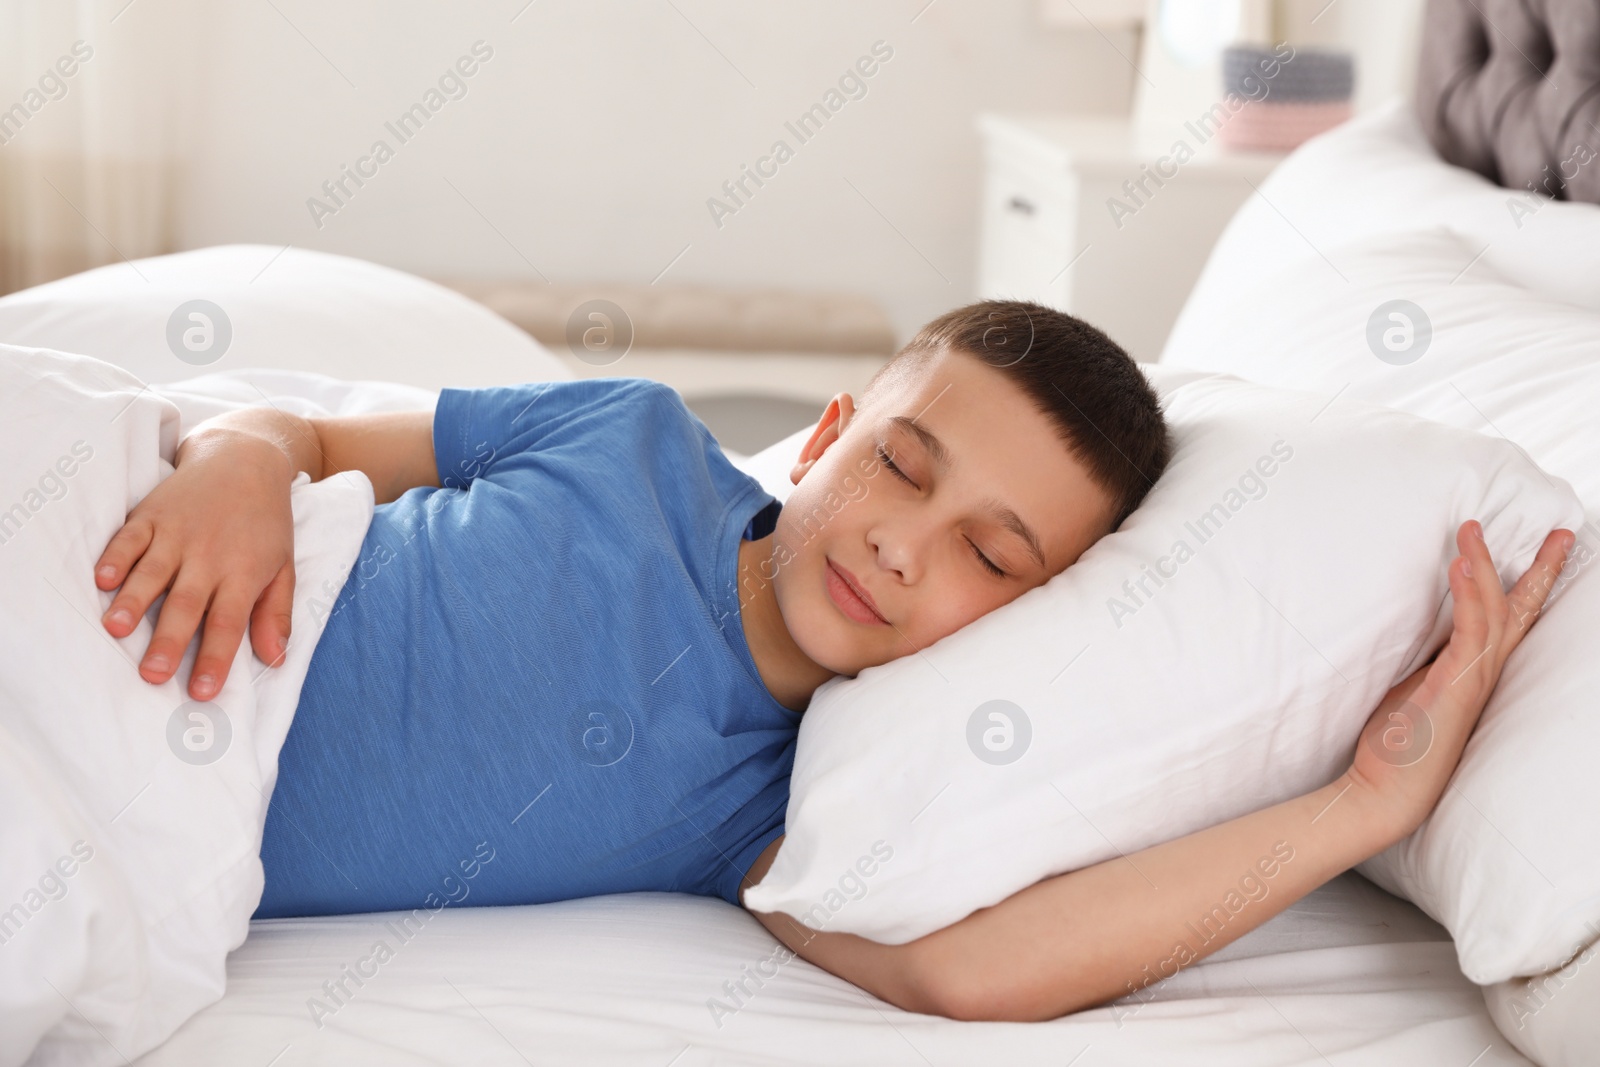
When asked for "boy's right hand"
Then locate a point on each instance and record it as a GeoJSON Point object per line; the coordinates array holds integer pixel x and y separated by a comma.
{"type": "Point", "coordinates": [219, 532]}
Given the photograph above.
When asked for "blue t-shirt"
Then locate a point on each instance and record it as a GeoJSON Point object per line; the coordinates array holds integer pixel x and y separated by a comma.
{"type": "Point", "coordinates": [535, 684]}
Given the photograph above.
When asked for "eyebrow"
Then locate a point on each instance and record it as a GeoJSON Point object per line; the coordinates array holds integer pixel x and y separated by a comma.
{"type": "Point", "coordinates": [1002, 514]}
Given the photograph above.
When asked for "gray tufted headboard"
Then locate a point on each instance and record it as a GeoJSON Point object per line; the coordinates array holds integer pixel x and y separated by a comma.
{"type": "Point", "coordinates": [1511, 89]}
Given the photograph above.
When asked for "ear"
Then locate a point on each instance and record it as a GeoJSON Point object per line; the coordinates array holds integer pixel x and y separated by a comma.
{"type": "Point", "coordinates": [835, 417]}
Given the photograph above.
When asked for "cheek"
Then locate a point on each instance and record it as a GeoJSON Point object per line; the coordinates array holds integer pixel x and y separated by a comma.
{"type": "Point", "coordinates": [796, 542]}
{"type": "Point", "coordinates": [947, 607]}
{"type": "Point", "coordinates": [957, 592]}
{"type": "Point", "coordinates": [818, 514]}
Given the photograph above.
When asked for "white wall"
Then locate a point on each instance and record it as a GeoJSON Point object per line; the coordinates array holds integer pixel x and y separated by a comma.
{"type": "Point", "coordinates": [594, 136]}
{"type": "Point", "coordinates": [1384, 35]}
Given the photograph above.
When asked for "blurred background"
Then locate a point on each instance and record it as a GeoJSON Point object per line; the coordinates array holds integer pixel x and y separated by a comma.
{"type": "Point", "coordinates": [561, 160]}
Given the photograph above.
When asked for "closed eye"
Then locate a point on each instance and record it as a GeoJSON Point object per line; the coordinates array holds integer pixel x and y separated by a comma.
{"type": "Point", "coordinates": [884, 458]}
{"type": "Point", "coordinates": [996, 571]}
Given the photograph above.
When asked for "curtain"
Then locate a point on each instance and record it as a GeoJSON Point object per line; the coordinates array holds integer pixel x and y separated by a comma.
{"type": "Point", "coordinates": [94, 98]}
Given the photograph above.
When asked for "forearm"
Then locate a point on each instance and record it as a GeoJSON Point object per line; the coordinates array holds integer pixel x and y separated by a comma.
{"type": "Point", "coordinates": [1100, 933]}
{"type": "Point", "coordinates": [393, 449]}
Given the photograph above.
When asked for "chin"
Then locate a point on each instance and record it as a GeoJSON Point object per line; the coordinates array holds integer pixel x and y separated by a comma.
{"type": "Point", "coordinates": [826, 637]}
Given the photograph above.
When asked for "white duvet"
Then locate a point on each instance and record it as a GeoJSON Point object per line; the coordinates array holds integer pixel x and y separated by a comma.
{"type": "Point", "coordinates": [129, 856]}
{"type": "Point", "coordinates": [132, 815]}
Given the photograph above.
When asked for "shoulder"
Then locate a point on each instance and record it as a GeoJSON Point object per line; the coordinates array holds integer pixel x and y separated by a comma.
{"type": "Point", "coordinates": [634, 396]}
{"type": "Point", "coordinates": [572, 392]}
{"type": "Point", "coordinates": [633, 416]}
{"type": "Point", "coordinates": [658, 409]}
{"type": "Point", "coordinates": [645, 392]}
{"type": "Point", "coordinates": [578, 405]}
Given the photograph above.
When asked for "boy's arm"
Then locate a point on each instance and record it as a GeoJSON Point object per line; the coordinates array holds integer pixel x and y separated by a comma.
{"type": "Point", "coordinates": [1080, 939]}
{"type": "Point", "coordinates": [393, 449]}
{"type": "Point", "coordinates": [217, 535]}
{"type": "Point", "coordinates": [1092, 935]}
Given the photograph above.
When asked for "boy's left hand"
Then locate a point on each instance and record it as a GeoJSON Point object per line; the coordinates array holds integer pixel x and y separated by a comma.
{"type": "Point", "coordinates": [1412, 743]}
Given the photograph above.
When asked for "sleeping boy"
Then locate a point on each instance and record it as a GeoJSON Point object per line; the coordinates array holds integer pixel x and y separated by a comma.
{"type": "Point", "coordinates": [575, 651]}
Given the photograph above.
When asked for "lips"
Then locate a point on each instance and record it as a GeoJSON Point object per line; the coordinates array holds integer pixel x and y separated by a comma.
{"type": "Point", "coordinates": [850, 598]}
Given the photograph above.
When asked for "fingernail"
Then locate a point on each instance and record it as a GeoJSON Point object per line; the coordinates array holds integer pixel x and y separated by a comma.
{"type": "Point", "coordinates": [157, 663]}
{"type": "Point", "coordinates": [122, 617]}
{"type": "Point", "coordinates": [204, 684]}
{"type": "Point", "coordinates": [108, 571]}
{"type": "Point", "coordinates": [1466, 566]}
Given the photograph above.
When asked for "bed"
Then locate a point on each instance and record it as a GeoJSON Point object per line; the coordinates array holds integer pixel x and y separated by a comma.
{"type": "Point", "coordinates": [1349, 975]}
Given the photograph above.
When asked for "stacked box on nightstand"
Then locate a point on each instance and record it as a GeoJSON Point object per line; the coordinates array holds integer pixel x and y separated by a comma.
{"type": "Point", "coordinates": [1290, 95]}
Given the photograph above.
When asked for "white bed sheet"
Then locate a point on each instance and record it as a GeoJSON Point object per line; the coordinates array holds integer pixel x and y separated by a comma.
{"type": "Point", "coordinates": [1348, 976]}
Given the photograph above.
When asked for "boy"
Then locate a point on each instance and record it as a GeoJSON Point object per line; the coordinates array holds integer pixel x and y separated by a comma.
{"type": "Point", "coordinates": [573, 657]}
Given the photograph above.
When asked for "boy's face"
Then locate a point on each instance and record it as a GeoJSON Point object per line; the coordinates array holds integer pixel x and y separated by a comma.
{"type": "Point", "coordinates": [913, 548]}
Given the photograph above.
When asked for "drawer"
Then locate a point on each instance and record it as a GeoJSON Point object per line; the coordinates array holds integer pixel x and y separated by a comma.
{"type": "Point", "coordinates": [1028, 236]}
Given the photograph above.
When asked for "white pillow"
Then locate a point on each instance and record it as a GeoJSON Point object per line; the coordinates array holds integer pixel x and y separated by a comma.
{"type": "Point", "coordinates": [1375, 176]}
{"type": "Point", "coordinates": [1486, 354]}
{"type": "Point", "coordinates": [290, 309]}
{"type": "Point", "coordinates": [130, 857]}
{"type": "Point", "coordinates": [1217, 654]}
{"type": "Point", "coordinates": [1510, 861]}
{"type": "Point", "coordinates": [772, 464]}
{"type": "Point", "coordinates": [1552, 1018]}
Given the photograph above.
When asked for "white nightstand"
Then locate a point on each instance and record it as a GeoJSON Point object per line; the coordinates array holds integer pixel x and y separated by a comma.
{"type": "Point", "coordinates": [1060, 227]}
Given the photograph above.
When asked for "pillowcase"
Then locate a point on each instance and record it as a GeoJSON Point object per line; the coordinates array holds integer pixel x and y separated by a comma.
{"type": "Point", "coordinates": [1484, 353]}
{"type": "Point", "coordinates": [772, 464]}
{"type": "Point", "coordinates": [1509, 862]}
{"type": "Point", "coordinates": [1552, 1018]}
{"type": "Point", "coordinates": [133, 816]}
{"type": "Point", "coordinates": [1217, 654]}
{"type": "Point", "coordinates": [1376, 176]}
{"type": "Point", "coordinates": [214, 309]}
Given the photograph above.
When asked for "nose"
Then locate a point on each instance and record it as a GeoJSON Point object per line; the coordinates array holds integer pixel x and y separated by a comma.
{"type": "Point", "coordinates": [901, 546]}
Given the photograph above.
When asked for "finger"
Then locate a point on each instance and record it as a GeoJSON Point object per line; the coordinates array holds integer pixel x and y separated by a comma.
{"type": "Point", "coordinates": [1486, 576]}
{"type": "Point", "coordinates": [180, 617]}
{"type": "Point", "coordinates": [1470, 633]}
{"type": "Point", "coordinates": [123, 550]}
{"type": "Point", "coordinates": [1470, 540]}
{"type": "Point", "coordinates": [1528, 596]}
{"type": "Point", "coordinates": [224, 630]}
{"type": "Point", "coordinates": [1469, 613]}
{"type": "Point", "coordinates": [1468, 637]}
{"type": "Point", "coordinates": [270, 622]}
{"type": "Point", "coordinates": [149, 579]}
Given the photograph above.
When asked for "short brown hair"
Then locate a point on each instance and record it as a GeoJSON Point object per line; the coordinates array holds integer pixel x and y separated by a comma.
{"type": "Point", "coordinates": [1092, 391]}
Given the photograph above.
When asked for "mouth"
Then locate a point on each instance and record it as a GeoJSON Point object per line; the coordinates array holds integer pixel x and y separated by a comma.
{"type": "Point", "coordinates": [848, 596]}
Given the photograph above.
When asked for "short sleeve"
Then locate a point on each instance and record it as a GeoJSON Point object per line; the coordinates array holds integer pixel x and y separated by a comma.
{"type": "Point", "coordinates": [728, 886]}
{"type": "Point", "coordinates": [770, 807]}
{"type": "Point", "coordinates": [473, 429]}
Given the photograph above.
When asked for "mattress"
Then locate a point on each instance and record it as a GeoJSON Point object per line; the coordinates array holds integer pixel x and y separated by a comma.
{"type": "Point", "coordinates": [1349, 975]}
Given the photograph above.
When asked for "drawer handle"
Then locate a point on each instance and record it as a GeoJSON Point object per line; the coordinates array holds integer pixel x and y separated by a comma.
{"type": "Point", "coordinates": [1020, 205]}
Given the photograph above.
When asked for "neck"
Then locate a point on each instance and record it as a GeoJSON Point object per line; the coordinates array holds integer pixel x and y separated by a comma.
{"type": "Point", "coordinates": [788, 673]}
